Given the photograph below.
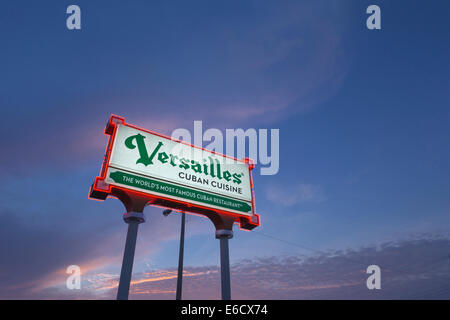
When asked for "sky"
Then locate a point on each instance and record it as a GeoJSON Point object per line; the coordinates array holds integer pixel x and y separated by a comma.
{"type": "Point", "coordinates": [364, 171]}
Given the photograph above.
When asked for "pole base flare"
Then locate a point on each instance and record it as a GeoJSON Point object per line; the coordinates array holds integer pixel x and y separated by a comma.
{"type": "Point", "coordinates": [224, 234]}
{"type": "Point", "coordinates": [134, 216]}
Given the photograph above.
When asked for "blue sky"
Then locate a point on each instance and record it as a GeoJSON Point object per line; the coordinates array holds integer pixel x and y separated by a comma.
{"type": "Point", "coordinates": [363, 118]}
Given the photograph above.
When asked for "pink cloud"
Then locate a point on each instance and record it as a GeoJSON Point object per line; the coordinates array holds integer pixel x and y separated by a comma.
{"type": "Point", "coordinates": [410, 269]}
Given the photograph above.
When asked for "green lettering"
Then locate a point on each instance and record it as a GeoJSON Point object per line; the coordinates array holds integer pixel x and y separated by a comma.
{"type": "Point", "coordinates": [196, 166]}
{"type": "Point", "coordinates": [162, 156]}
{"type": "Point", "coordinates": [172, 160]}
{"type": "Point", "coordinates": [211, 166]}
{"type": "Point", "coordinates": [237, 178]}
{"type": "Point", "coordinates": [143, 155]}
{"type": "Point", "coordinates": [227, 175]}
{"type": "Point", "coordinates": [184, 163]}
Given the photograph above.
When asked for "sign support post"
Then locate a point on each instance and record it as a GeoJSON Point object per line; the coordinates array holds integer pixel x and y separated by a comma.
{"type": "Point", "coordinates": [133, 219]}
{"type": "Point", "coordinates": [180, 258]}
{"type": "Point", "coordinates": [223, 235]}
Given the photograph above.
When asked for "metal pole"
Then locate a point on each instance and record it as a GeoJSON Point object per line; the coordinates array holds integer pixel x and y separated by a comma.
{"type": "Point", "coordinates": [133, 219]}
{"type": "Point", "coordinates": [180, 258]}
{"type": "Point", "coordinates": [223, 236]}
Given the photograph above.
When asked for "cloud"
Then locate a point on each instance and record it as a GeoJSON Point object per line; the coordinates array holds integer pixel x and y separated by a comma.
{"type": "Point", "coordinates": [281, 61]}
{"type": "Point", "coordinates": [410, 269]}
{"type": "Point", "coordinates": [292, 195]}
{"type": "Point", "coordinates": [37, 253]}
{"type": "Point", "coordinates": [73, 144]}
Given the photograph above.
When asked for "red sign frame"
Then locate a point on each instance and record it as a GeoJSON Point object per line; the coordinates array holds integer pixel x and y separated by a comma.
{"type": "Point", "coordinates": [100, 190]}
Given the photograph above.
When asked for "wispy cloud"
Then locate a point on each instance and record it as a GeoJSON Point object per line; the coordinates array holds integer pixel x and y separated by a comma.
{"type": "Point", "coordinates": [291, 195]}
{"type": "Point", "coordinates": [283, 61]}
{"type": "Point", "coordinates": [410, 269]}
{"type": "Point", "coordinates": [39, 253]}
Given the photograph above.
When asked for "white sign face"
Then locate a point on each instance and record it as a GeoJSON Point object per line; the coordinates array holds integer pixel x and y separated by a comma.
{"type": "Point", "coordinates": [163, 167]}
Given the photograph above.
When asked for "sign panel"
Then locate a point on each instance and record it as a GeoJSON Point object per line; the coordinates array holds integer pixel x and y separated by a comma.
{"type": "Point", "coordinates": [164, 168]}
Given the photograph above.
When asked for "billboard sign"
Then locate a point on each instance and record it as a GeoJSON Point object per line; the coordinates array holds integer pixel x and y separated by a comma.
{"type": "Point", "coordinates": [175, 172]}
